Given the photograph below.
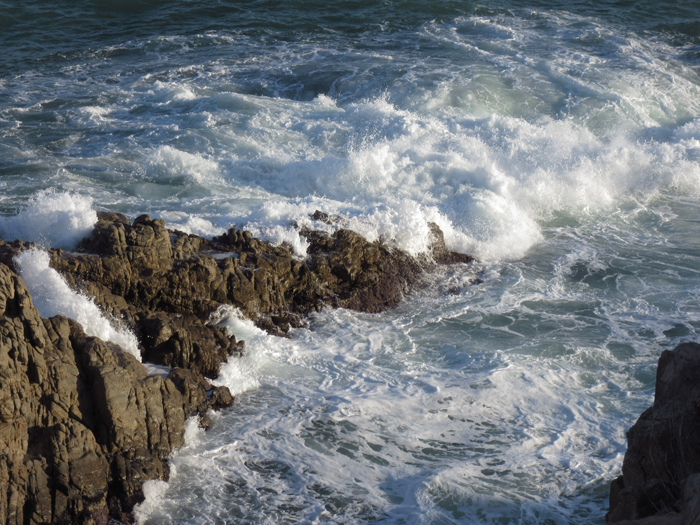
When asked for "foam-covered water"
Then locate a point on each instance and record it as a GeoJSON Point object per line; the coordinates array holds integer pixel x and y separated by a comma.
{"type": "Point", "coordinates": [558, 142]}
{"type": "Point", "coordinates": [54, 220]}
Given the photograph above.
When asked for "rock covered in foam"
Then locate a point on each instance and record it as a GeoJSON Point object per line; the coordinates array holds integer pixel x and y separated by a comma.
{"type": "Point", "coordinates": [129, 268]}
{"type": "Point", "coordinates": [660, 482]}
{"type": "Point", "coordinates": [166, 284]}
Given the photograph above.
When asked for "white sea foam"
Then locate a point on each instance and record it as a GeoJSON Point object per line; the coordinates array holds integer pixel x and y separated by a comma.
{"type": "Point", "coordinates": [191, 224]}
{"type": "Point", "coordinates": [487, 190]}
{"type": "Point", "coordinates": [97, 113]}
{"type": "Point", "coordinates": [172, 164]}
{"type": "Point", "coordinates": [52, 296]}
{"type": "Point", "coordinates": [153, 490]}
{"type": "Point", "coordinates": [562, 149]}
{"type": "Point", "coordinates": [52, 219]}
{"type": "Point", "coordinates": [468, 435]}
{"type": "Point", "coordinates": [265, 355]}
{"type": "Point", "coordinates": [393, 162]}
{"type": "Point", "coordinates": [241, 374]}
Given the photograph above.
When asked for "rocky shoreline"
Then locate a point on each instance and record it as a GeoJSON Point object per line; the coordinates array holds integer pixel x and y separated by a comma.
{"type": "Point", "coordinates": [82, 423]}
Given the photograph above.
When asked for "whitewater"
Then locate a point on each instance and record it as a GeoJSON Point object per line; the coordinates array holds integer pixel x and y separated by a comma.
{"type": "Point", "coordinates": [558, 143]}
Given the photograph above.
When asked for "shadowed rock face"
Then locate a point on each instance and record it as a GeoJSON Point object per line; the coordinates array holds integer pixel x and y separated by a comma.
{"type": "Point", "coordinates": [660, 482]}
{"type": "Point", "coordinates": [82, 424]}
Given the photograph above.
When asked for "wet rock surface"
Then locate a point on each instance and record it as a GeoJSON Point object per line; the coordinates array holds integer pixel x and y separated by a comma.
{"type": "Point", "coordinates": [660, 482]}
{"type": "Point", "coordinates": [82, 423]}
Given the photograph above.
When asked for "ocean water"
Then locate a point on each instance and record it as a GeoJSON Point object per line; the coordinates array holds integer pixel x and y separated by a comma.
{"type": "Point", "coordinates": [558, 142]}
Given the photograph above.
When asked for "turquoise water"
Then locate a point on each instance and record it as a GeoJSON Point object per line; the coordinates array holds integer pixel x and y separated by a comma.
{"type": "Point", "coordinates": [559, 143]}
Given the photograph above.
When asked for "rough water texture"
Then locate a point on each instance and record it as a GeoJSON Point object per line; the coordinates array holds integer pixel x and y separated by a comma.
{"type": "Point", "coordinates": [557, 142]}
{"type": "Point", "coordinates": [84, 424]}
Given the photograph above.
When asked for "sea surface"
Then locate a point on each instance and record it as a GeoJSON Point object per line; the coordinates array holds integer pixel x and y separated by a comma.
{"type": "Point", "coordinates": [558, 142]}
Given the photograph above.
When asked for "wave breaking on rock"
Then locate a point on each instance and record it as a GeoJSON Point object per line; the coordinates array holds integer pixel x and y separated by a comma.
{"type": "Point", "coordinates": [82, 423]}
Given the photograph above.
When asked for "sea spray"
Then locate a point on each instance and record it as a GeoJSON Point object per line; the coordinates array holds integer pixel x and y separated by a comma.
{"type": "Point", "coordinates": [52, 219]}
{"type": "Point", "coordinates": [52, 296]}
{"type": "Point", "coordinates": [178, 167]}
{"type": "Point", "coordinates": [265, 355]}
{"type": "Point", "coordinates": [556, 141]}
{"type": "Point", "coordinates": [154, 490]}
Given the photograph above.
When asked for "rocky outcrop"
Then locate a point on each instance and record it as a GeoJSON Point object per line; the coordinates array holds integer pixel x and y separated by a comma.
{"type": "Point", "coordinates": [660, 482]}
{"type": "Point", "coordinates": [82, 423]}
{"type": "Point", "coordinates": [154, 269]}
{"type": "Point", "coordinates": [166, 284]}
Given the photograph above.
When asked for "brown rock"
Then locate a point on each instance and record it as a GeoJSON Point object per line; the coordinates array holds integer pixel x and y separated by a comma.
{"type": "Point", "coordinates": [220, 398]}
{"type": "Point", "coordinates": [79, 418]}
{"type": "Point", "coordinates": [82, 424]}
{"type": "Point", "coordinates": [184, 341]}
{"type": "Point", "coordinates": [198, 395]}
{"type": "Point", "coordinates": [144, 268]}
{"type": "Point", "coordinates": [438, 249]}
{"type": "Point", "coordinates": [79, 475]}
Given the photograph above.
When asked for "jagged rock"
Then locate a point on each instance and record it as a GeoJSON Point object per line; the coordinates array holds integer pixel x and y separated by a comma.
{"type": "Point", "coordinates": [184, 341]}
{"type": "Point", "coordinates": [133, 270]}
{"type": "Point", "coordinates": [82, 424]}
{"type": "Point", "coordinates": [220, 398]}
{"type": "Point", "coordinates": [167, 293]}
{"type": "Point", "coordinates": [80, 472]}
{"type": "Point", "coordinates": [79, 418]}
{"type": "Point", "coordinates": [146, 242]}
{"type": "Point", "coordinates": [198, 395]}
{"type": "Point", "coordinates": [318, 215]}
{"type": "Point", "coordinates": [660, 482]}
{"type": "Point", "coordinates": [193, 388]}
{"type": "Point", "coordinates": [438, 249]}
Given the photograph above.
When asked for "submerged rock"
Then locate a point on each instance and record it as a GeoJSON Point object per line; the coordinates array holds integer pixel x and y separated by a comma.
{"type": "Point", "coordinates": [660, 482]}
{"type": "Point", "coordinates": [82, 423]}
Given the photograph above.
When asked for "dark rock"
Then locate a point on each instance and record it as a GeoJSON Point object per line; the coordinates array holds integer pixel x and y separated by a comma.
{"type": "Point", "coordinates": [184, 341]}
{"type": "Point", "coordinates": [318, 215]}
{"type": "Point", "coordinates": [220, 398]}
{"type": "Point", "coordinates": [143, 267]}
{"type": "Point", "coordinates": [438, 249]}
{"type": "Point", "coordinates": [661, 470]}
{"type": "Point", "coordinates": [146, 242]}
{"type": "Point", "coordinates": [691, 500]}
{"type": "Point", "coordinates": [193, 388]}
